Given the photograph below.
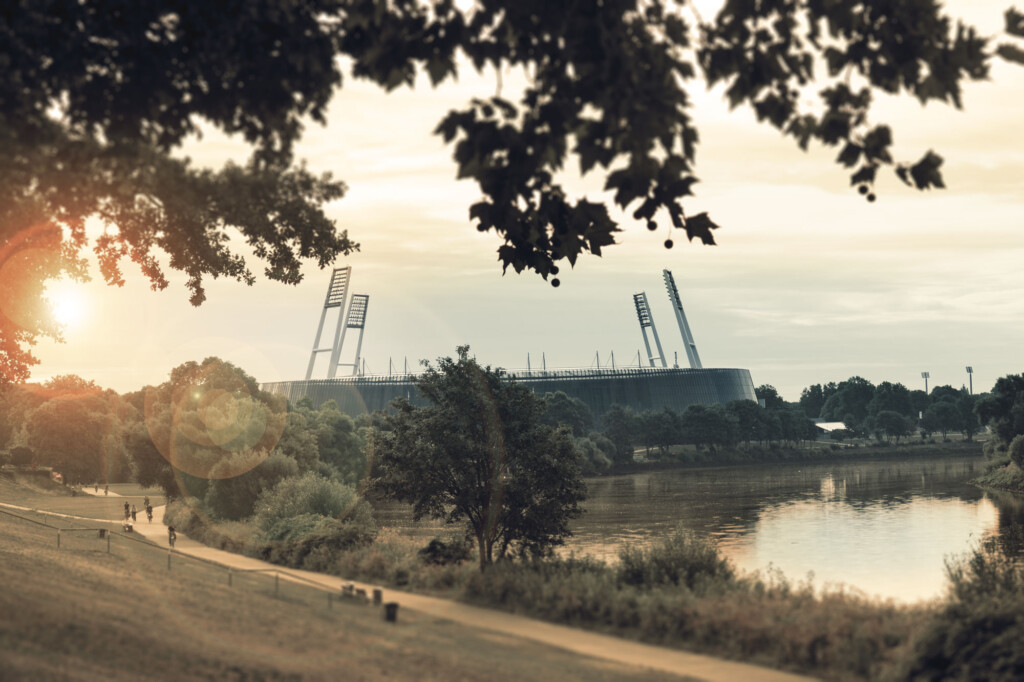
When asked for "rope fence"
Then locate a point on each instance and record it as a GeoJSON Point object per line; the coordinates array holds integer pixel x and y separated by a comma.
{"type": "Point", "coordinates": [347, 590]}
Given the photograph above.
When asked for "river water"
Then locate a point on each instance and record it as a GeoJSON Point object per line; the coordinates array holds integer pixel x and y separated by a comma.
{"type": "Point", "coordinates": [881, 526]}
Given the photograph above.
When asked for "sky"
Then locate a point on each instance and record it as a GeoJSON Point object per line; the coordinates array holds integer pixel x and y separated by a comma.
{"type": "Point", "coordinates": [809, 282]}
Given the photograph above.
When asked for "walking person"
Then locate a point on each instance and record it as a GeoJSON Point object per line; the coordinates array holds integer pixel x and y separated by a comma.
{"type": "Point", "coordinates": [106, 489]}
{"type": "Point", "coordinates": [149, 512]}
{"type": "Point", "coordinates": [134, 512]}
{"type": "Point", "coordinates": [171, 535]}
{"type": "Point", "coordinates": [127, 511]}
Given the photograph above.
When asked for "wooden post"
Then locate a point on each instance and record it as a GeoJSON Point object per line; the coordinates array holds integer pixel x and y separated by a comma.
{"type": "Point", "coordinates": [378, 596]}
{"type": "Point", "coordinates": [58, 538]}
{"type": "Point", "coordinates": [108, 543]}
{"type": "Point", "coordinates": [169, 559]}
{"type": "Point", "coordinates": [276, 577]}
{"type": "Point", "coordinates": [229, 577]}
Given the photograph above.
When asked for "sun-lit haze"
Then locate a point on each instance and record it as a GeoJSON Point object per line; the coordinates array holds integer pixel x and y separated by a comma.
{"type": "Point", "coordinates": [810, 283]}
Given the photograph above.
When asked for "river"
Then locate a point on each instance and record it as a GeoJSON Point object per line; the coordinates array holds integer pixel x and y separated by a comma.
{"type": "Point", "coordinates": [881, 526]}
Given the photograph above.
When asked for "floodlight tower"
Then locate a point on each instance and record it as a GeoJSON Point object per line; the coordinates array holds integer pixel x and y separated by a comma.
{"type": "Point", "coordinates": [684, 327]}
{"type": "Point", "coordinates": [926, 376]}
{"type": "Point", "coordinates": [337, 292]}
{"type": "Point", "coordinates": [970, 379]}
{"type": "Point", "coordinates": [355, 319]}
{"type": "Point", "coordinates": [643, 313]}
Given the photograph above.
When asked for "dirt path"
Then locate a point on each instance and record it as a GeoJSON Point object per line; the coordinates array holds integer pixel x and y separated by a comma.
{"type": "Point", "coordinates": [577, 641]}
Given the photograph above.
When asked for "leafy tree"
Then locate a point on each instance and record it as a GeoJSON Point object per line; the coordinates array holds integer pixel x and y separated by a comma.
{"type": "Point", "coordinates": [812, 399]}
{"type": "Point", "coordinates": [965, 404]}
{"type": "Point", "coordinates": [944, 393]}
{"type": "Point", "coordinates": [571, 412]}
{"type": "Point", "coordinates": [94, 102]}
{"type": "Point", "coordinates": [478, 453]}
{"type": "Point", "coordinates": [772, 399]}
{"type": "Point", "coordinates": [80, 436]}
{"type": "Point", "coordinates": [301, 506]}
{"type": "Point", "coordinates": [339, 443]}
{"type": "Point", "coordinates": [750, 421]}
{"type": "Point", "coordinates": [892, 397]}
{"type": "Point", "coordinates": [892, 424]}
{"type": "Point", "coordinates": [620, 428]}
{"type": "Point", "coordinates": [849, 404]}
{"type": "Point", "coordinates": [944, 416]}
{"type": "Point", "coordinates": [1003, 408]}
{"type": "Point", "coordinates": [708, 425]}
{"type": "Point", "coordinates": [233, 496]}
{"type": "Point", "coordinates": [592, 459]}
{"type": "Point", "coordinates": [919, 402]}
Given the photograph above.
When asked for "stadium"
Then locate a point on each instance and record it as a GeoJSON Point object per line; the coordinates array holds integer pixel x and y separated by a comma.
{"type": "Point", "coordinates": [639, 388]}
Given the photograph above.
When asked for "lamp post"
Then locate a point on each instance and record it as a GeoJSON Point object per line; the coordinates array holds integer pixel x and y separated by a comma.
{"type": "Point", "coordinates": [970, 379]}
{"type": "Point", "coordinates": [925, 375]}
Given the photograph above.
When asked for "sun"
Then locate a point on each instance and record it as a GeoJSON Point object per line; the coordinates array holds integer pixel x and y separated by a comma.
{"type": "Point", "coordinates": [68, 303]}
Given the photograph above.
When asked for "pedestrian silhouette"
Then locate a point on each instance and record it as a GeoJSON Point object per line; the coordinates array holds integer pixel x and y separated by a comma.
{"type": "Point", "coordinates": [171, 535]}
{"type": "Point", "coordinates": [149, 512]}
{"type": "Point", "coordinates": [134, 511]}
{"type": "Point", "coordinates": [106, 489]}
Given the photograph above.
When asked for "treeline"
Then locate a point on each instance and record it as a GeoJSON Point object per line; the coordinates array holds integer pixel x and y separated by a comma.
{"type": "Point", "coordinates": [890, 411]}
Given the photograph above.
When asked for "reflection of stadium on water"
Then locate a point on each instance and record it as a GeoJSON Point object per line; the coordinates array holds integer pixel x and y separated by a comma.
{"type": "Point", "coordinates": [654, 387]}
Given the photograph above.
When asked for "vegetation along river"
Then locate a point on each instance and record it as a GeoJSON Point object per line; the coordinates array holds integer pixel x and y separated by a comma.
{"type": "Point", "coordinates": [882, 526]}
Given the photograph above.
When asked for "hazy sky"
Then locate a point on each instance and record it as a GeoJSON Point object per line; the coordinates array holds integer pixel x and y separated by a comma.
{"type": "Point", "coordinates": [809, 283]}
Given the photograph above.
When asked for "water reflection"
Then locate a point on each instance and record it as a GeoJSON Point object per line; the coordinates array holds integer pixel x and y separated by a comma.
{"type": "Point", "coordinates": [881, 526]}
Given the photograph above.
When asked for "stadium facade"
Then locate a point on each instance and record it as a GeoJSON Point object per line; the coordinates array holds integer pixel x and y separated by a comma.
{"type": "Point", "coordinates": [640, 388]}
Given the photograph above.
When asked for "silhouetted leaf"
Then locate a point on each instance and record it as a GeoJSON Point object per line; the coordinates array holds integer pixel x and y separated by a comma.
{"type": "Point", "coordinates": [700, 225]}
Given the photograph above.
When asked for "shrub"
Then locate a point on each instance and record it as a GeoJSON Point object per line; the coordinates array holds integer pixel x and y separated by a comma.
{"type": "Point", "coordinates": [682, 559]}
{"type": "Point", "coordinates": [977, 633]}
{"type": "Point", "coordinates": [1016, 451]}
{"type": "Point", "coordinates": [234, 497]}
{"type": "Point", "coordinates": [444, 552]}
{"type": "Point", "coordinates": [302, 495]}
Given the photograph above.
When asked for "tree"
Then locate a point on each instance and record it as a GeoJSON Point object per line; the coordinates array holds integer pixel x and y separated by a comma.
{"type": "Point", "coordinates": [968, 417]}
{"type": "Point", "coordinates": [812, 399]}
{"type": "Point", "coordinates": [233, 497]}
{"type": "Point", "coordinates": [80, 436]}
{"type": "Point", "coordinates": [1003, 408]}
{"type": "Point", "coordinates": [479, 454]}
{"type": "Point", "coordinates": [892, 424]}
{"type": "Point", "coordinates": [943, 416]}
{"type": "Point", "coordinates": [892, 397]}
{"type": "Point", "coordinates": [95, 100]}
{"type": "Point", "coordinates": [620, 428]}
{"type": "Point", "coordinates": [572, 412]}
{"type": "Point", "coordinates": [849, 404]}
{"type": "Point", "coordinates": [339, 443]}
{"type": "Point", "coordinates": [772, 399]}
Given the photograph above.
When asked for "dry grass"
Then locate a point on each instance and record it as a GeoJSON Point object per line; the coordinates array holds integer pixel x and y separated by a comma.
{"type": "Point", "coordinates": [78, 613]}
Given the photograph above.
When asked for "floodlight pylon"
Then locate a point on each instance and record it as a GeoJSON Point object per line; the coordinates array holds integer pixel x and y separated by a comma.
{"type": "Point", "coordinates": [643, 314]}
{"type": "Point", "coordinates": [684, 328]}
{"type": "Point", "coordinates": [337, 292]}
{"type": "Point", "coordinates": [355, 319]}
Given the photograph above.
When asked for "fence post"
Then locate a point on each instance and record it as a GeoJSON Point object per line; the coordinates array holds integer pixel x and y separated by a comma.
{"type": "Point", "coordinates": [229, 577]}
{"type": "Point", "coordinates": [58, 538]}
{"type": "Point", "coordinates": [276, 578]}
{"type": "Point", "coordinates": [169, 559]}
{"type": "Point", "coordinates": [108, 543]}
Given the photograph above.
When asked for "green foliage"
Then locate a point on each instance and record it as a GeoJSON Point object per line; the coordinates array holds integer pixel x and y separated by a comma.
{"type": "Point", "coordinates": [309, 494]}
{"type": "Point", "coordinates": [442, 552]}
{"type": "Point", "coordinates": [619, 428]}
{"type": "Point", "coordinates": [561, 410]}
{"type": "Point", "coordinates": [1003, 408]}
{"type": "Point", "coordinates": [849, 403]}
{"type": "Point", "coordinates": [21, 456]}
{"type": "Point", "coordinates": [1016, 451]}
{"type": "Point", "coordinates": [79, 435]}
{"type": "Point", "coordinates": [891, 397]}
{"type": "Point", "coordinates": [339, 443]}
{"type": "Point", "coordinates": [976, 634]}
{"type": "Point", "coordinates": [943, 416]}
{"type": "Point", "coordinates": [681, 559]}
{"type": "Point", "coordinates": [592, 459]}
{"type": "Point", "coordinates": [478, 454]}
{"type": "Point", "coordinates": [772, 399]}
{"type": "Point", "coordinates": [233, 497]}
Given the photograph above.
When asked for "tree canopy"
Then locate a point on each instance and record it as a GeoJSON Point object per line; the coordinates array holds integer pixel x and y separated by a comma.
{"type": "Point", "coordinates": [480, 454]}
{"type": "Point", "coordinates": [97, 96]}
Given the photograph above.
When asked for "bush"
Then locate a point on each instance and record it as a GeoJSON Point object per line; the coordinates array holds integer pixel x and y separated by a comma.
{"type": "Point", "coordinates": [1016, 451]}
{"type": "Point", "coordinates": [188, 517]}
{"type": "Point", "coordinates": [234, 497]}
{"type": "Point", "coordinates": [978, 632]}
{"type": "Point", "coordinates": [443, 553]}
{"type": "Point", "coordinates": [302, 495]}
{"type": "Point", "coordinates": [682, 559]}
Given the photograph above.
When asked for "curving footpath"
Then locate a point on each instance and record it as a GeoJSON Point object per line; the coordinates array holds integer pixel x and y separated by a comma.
{"type": "Point", "coordinates": [577, 641]}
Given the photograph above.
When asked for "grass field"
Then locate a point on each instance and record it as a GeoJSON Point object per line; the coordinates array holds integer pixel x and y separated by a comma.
{"type": "Point", "coordinates": [79, 613]}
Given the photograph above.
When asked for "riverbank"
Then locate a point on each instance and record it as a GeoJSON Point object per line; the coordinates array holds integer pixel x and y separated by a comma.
{"type": "Point", "coordinates": [1008, 478]}
{"type": "Point", "coordinates": [687, 457]}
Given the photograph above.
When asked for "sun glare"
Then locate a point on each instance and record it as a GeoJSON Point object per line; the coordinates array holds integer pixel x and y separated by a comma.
{"type": "Point", "coordinates": [67, 302]}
